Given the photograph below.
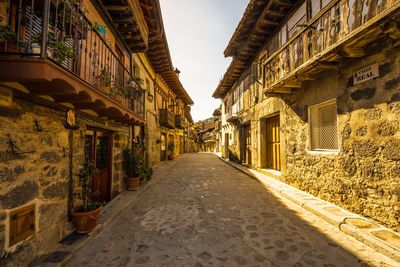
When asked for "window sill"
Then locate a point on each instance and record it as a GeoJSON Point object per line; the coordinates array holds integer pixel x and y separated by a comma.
{"type": "Point", "coordinates": [322, 152]}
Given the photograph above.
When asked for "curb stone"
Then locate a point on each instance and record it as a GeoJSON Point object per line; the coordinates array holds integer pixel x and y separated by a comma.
{"type": "Point", "coordinates": [376, 236]}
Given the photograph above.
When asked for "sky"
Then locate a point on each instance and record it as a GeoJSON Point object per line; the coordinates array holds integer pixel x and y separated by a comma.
{"type": "Point", "coordinates": [198, 32]}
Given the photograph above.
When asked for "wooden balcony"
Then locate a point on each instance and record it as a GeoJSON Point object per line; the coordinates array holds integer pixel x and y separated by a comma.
{"type": "Point", "coordinates": [180, 122]}
{"type": "Point", "coordinates": [54, 50]}
{"type": "Point", "coordinates": [167, 118]}
{"type": "Point", "coordinates": [341, 30]}
{"type": "Point", "coordinates": [232, 115]}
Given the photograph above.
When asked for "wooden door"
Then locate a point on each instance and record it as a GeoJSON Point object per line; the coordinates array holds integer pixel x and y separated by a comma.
{"type": "Point", "coordinates": [273, 143]}
{"type": "Point", "coordinates": [98, 149]}
{"type": "Point", "coordinates": [226, 145]}
{"type": "Point", "coordinates": [247, 144]}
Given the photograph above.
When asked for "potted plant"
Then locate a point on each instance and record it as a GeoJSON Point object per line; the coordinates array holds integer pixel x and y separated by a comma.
{"type": "Point", "coordinates": [132, 169]}
{"type": "Point", "coordinates": [149, 173]}
{"type": "Point", "coordinates": [7, 38]}
{"type": "Point", "coordinates": [170, 151]}
{"type": "Point", "coordinates": [105, 80]}
{"type": "Point", "coordinates": [85, 216]}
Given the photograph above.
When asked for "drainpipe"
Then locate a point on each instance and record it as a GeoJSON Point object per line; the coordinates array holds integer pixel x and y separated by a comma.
{"type": "Point", "coordinates": [45, 30]}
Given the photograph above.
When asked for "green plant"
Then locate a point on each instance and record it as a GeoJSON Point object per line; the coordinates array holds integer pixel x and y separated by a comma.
{"type": "Point", "coordinates": [7, 35]}
{"type": "Point", "coordinates": [170, 147]}
{"type": "Point", "coordinates": [85, 174]}
{"type": "Point", "coordinates": [132, 164]}
{"type": "Point", "coordinates": [149, 173]}
{"type": "Point", "coordinates": [105, 77]}
{"type": "Point", "coordinates": [62, 51]}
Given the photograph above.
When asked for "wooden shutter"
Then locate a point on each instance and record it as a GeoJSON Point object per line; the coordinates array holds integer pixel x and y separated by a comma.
{"type": "Point", "coordinates": [22, 224]}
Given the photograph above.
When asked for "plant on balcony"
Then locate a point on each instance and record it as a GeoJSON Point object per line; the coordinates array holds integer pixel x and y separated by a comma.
{"type": "Point", "coordinates": [85, 216]}
{"type": "Point", "coordinates": [133, 168]}
{"type": "Point", "coordinates": [9, 37]}
{"type": "Point", "coordinates": [105, 80]}
{"type": "Point", "coordinates": [62, 51]}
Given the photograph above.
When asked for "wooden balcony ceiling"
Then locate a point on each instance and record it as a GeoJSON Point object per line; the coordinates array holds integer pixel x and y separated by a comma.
{"type": "Point", "coordinates": [158, 51]}
{"type": "Point", "coordinates": [261, 18]}
{"type": "Point", "coordinates": [259, 21]}
{"type": "Point", "coordinates": [45, 78]}
{"type": "Point", "coordinates": [130, 22]}
{"type": "Point", "coordinates": [232, 74]}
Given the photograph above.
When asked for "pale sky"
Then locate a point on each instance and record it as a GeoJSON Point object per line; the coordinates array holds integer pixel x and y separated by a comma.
{"type": "Point", "coordinates": [198, 32]}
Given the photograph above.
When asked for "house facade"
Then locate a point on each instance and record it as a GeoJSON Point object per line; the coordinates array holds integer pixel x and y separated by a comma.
{"type": "Point", "coordinates": [312, 98]}
{"type": "Point", "coordinates": [78, 79]}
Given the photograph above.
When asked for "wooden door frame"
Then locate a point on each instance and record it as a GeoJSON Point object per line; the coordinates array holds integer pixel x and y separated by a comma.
{"type": "Point", "coordinates": [262, 152]}
{"type": "Point", "coordinates": [110, 134]}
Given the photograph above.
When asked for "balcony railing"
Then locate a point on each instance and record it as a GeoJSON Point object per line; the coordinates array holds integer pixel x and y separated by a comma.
{"type": "Point", "coordinates": [167, 118]}
{"type": "Point", "coordinates": [180, 122]}
{"type": "Point", "coordinates": [340, 21]}
{"type": "Point", "coordinates": [231, 115]}
{"type": "Point", "coordinates": [59, 31]}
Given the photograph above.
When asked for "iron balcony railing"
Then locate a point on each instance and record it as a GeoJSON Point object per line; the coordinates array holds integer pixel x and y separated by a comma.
{"type": "Point", "coordinates": [339, 21]}
{"type": "Point", "coordinates": [167, 118]}
{"type": "Point", "coordinates": [58, 30]}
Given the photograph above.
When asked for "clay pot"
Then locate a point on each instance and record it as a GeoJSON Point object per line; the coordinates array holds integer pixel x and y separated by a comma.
{"type": "Point", "coordinates": [170, 157]}
{"type": "Point", "coordinates": [85, 221]}
{"type": "Point", "coordinates": [133, 183]}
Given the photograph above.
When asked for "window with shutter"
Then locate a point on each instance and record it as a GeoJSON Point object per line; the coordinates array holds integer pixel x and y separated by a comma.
{"type": "Point", "coordinates": [22, 224]}
{"type": "Point", "coordinates": [323, 126]}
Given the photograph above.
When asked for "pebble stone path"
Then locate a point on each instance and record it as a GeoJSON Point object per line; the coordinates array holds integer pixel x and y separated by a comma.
{"type": "Point", "coordinates": [203, 212]}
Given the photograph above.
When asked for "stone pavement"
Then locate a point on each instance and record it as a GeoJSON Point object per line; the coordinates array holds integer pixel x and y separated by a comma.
{"type": "Point", "coordinates": [203, 212]}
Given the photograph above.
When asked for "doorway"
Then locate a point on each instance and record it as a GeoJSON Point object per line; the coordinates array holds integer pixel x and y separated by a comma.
{"type": "Point", "coordinates": [98, 149]}
{"type": "Point", "coordinates": [226, 146]}
{"type": "Point", "coordinates": [246, 149]}
{"type": "Point", "coordinates": [163, 147]}
{"type": "Point", "coordinates": [273, 151]}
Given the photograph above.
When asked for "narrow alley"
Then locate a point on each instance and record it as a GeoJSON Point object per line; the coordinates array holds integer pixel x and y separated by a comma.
{"type": "Point", "coordinates": [203, 212]}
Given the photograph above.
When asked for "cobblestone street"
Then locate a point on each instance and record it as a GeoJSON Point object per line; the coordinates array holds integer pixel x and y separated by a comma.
{"type": "Point", "coordinates": [203, 212]}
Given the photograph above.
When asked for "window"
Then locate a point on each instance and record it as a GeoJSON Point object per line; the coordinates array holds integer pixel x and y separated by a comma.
{"type": "Point", "coordinates": [323, 126]}
{"type": "Point", "coordinates": [22, 224]}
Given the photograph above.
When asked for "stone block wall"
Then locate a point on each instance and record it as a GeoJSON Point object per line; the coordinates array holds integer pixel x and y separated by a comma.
{"type": "Point", "coordinates": [364, 176]}
{"type": "Point", "coordinates": [39, 177]}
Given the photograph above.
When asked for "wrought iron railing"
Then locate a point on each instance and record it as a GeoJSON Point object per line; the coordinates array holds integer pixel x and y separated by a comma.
{"type": "Point", "coordinates": [58, 30]}
{"type": "Point", "coordinates": [339, 21]}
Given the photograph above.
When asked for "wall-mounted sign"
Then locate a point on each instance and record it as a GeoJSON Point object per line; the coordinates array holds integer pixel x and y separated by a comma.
{"type": "Point", "coordinates": [6, 97]}
{"type": "Point", "coordinates": [70, 122]}
{"type": "Point", "coordinates": [366, 73]}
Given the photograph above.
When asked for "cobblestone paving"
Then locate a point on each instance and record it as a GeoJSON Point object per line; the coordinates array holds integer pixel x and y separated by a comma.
{"type": "Point", "coordinates": [206, 213]}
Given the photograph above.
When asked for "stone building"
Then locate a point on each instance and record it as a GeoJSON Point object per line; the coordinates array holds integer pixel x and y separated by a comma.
{"type": "Point", "coordinates": [313, 99]}
{"type": "Point", "coordinates": [76, 80]}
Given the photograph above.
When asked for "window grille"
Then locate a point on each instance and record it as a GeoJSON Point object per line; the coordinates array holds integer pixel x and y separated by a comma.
{"type": "Point", "coordinates": [323, 126]}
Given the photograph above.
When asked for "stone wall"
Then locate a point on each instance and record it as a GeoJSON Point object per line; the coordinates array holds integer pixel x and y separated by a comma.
{"type": "Point", "coordinates": [39, 177]}
{"type": "Point", "coordinates": [364, 176]}
{"type": "Point", "coordinates": [42, 176]}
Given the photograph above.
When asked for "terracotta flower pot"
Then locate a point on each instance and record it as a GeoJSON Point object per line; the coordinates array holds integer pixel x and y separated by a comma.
{"type": "Point", "coordinates": [133, 183]}
{"type": "Point", "coordinates": [85, 222]}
